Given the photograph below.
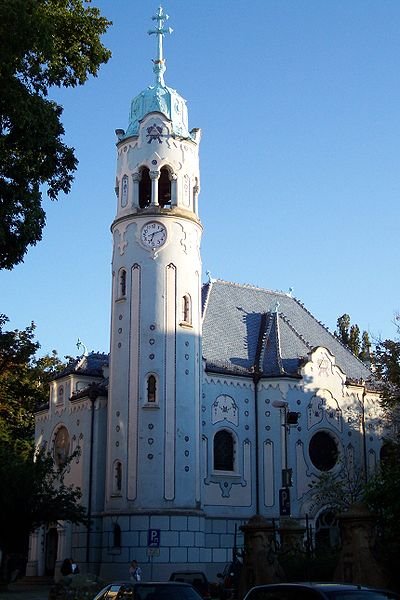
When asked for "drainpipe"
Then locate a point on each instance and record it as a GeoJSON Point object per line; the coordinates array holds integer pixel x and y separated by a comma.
{"type": "Point", "coordinates": [257, 372]}
{"type": "Point", "coordinates": [93, 394]}
{"type": "Point", "coordinates": [364, 437]}
{"type": "Point", "coordinates": [256, 379]}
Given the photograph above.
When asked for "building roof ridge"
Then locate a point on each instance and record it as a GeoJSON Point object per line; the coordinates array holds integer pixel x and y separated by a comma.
{"type": "Point", "coordinates": [332, 334]}
{"type": "Point", "coordinates": [301, 337]}
{"type": "Point", "coordinates": [253, 287]}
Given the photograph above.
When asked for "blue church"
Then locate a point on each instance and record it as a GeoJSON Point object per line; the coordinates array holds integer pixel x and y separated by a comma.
{"type": "Point", "coordinates": [217, 402]}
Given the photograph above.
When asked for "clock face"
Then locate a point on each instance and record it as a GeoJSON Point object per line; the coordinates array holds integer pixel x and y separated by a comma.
{"type": "Point", "coordinates": [154, 234]}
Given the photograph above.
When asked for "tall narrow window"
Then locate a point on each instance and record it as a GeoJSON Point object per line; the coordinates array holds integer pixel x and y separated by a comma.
{"type": "Point", "coordinates": [144, 188]}
{"type": "Point", "coordinates": [116, 536]}
{"type": "Point", "coordinates": [61, 446]}
{"type": "Point", "coordinates": [164, 187]}
{"type": "Point", "coordinates": [122, 283]}
{"type": "Point", "coordinates": [151, 389]}
{"type": "Point", "coordinates": [124, 193]}
{"type": "Point", "coordinates": [186, 309]}
{"type": "Point", "coordinates": [117, 476]}
{"type": "Point", "coordinates": [223, 451]}
{"type": "Point", "coordinates": [327, 531]}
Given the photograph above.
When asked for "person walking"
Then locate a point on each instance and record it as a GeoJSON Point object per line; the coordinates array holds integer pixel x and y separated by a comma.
{"type": "Point", "coordinates": [135, 572]}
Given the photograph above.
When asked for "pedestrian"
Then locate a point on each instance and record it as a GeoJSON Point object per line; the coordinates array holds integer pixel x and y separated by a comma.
{"type": "Point", "coordinates": [135, 572]}
{"type": "Point", "coordinates": [74, 567]}
{"type": "Point", "coordinates": [66, 567]}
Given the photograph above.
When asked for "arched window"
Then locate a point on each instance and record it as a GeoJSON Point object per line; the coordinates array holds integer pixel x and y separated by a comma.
{"type": "Point", "coordinates": [164, 187]}
{"type": "Point", "coordinates": [186, 309]}
{"type": "Point", "coordinates": [116, 536]}
{"type": "Point", "coordinates": [61, 446]}
{"type": "Point", "coordinates": [60, 395]}
{"type": "Point", "coordinates": [223, 451]}
{"type": "Point", "coordinates": [122, 283]}
{"type": "Point", "coordinates": [151, 389]}
{"type": "Point", "coordinates": [144, 187]}
{"type": "Point", "coordinates": [326, 531]}
{"type": "Point", "coordinates": [117, 481]}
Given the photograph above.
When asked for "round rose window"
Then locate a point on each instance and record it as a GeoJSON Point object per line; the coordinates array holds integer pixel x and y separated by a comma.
{"type": "Point", "coordinates": [323, 451]}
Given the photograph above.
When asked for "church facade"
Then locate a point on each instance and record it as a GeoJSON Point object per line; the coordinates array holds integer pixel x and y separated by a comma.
{"type": "Point", "coordinates": [217, 401]}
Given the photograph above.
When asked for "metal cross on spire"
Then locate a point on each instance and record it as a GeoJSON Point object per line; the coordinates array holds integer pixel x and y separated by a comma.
{"type": "Point", "coordinates": [160, 31]}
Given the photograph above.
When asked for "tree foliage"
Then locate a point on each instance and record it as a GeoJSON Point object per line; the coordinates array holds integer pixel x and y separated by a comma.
{"type": "Point", "coordinates": [382, 490]}
{"type": "Point", "coordinates": [33, 491]}
{"type": "Point", "coordinates": [349, 335]}
{"type": "Point", "coordinates": [24, 381]}
{"type": "Point", "coordinates": [387, 371]}
{"type": "Point", "coordinates": [382, 495]}
{"type": "Point", "coordinates": [339, 489]}
{"type": "Point", "coordinates": [43, 43]}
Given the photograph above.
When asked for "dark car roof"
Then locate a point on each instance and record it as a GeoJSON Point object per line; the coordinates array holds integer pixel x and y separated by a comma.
{"type": "Point", "coordinates": [164, 585]}
{"type": "Point", "coordinates": [169, 583]}
{"type": "Point", "coordinates": [320, 587]}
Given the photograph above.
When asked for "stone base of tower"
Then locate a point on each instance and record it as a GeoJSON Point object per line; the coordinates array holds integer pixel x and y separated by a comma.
{"type": "Point", "coordinates": [163, 543]}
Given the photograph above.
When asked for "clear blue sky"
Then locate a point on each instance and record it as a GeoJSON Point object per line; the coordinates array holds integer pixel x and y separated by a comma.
{"type": "Point", "coordinates": [299, 104]}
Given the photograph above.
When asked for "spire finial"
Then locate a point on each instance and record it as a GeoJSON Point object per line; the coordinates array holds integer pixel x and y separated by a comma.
{"type": "Point", "coordinates": [160, 31]}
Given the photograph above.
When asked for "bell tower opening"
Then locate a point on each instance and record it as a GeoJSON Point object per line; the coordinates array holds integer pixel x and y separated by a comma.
{"type": "Point", "coordinates": [164, 188]}
{"type": "Point", "coordinates": [144, 188]}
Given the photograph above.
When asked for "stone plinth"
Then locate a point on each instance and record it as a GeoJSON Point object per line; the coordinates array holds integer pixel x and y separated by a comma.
{"type": "Point", "coordinates": [357, 563]}
{"type": "Point", "coordinates": [260, 564]}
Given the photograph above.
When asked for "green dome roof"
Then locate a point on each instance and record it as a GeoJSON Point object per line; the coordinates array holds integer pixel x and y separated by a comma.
{"type": "Point", "coordinates": [163, 99]}
{"type": "Point", "coordinates": [159, 97]}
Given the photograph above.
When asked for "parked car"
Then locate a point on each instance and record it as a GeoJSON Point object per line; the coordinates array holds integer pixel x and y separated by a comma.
{"type": "Point", "coordinates": [198, 580]}
{"type": "Point", "coordinates": [142, 590]}
{"type": "Point", "coordinates": [230, 579]}
{"type": "Point", "coordinates": [317, 591]}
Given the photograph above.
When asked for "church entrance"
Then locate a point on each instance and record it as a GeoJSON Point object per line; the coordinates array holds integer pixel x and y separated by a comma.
{"type": "Point", "coordinates": [51, 550]}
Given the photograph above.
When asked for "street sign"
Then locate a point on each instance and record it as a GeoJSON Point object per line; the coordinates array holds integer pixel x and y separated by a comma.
{"type": "Point", "coordinates": [153, 552]}
{"type": "Point", "coordinates": [284, 502]}
{"type": "Point", "coordinates": [153, 538]}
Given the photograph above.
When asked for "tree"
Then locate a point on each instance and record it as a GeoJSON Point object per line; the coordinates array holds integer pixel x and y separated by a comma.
{"type": "Point", "coordinates": [387, 371]}
{"type": "Point", "coordinates": [343, 324]}
{"type": "Point", "coordinates": [33, 491]}
{"type": "Point", "coordinates": [24, 381]}
{"type": "Point", "coordinates": [349, 335]}
{"type": "Point", "coordinates": [365, 353]}
{"type": "Point", "coordinates": [43, 43]}
{"type": "Point", "coordinates": [382, 494]}
{"type": "Point", "coordinates": [341, 488]}
{"type": "Point", "coordinates": [383, 490]}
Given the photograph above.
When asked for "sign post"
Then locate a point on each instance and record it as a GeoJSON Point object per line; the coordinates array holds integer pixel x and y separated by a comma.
{"type": "Point", "coordinates": [284, 502]}
{"type": "Point", "coordinates": [153, 546]}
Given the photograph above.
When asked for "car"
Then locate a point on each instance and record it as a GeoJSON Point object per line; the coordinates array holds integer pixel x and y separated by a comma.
{"type": "Point", "coordinates": [318, 591]}
{"type": "Point", "coordinates": [143, 590]}
{"type": "Point", "coordinates": [197, 579]}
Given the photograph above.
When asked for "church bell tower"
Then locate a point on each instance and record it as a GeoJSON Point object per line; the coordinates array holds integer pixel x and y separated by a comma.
{"type": "Point", "coordinates": [154, 388]}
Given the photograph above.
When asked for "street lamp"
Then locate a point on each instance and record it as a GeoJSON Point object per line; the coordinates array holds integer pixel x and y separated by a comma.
{"type": "Point", "coordinates": [288, 418]}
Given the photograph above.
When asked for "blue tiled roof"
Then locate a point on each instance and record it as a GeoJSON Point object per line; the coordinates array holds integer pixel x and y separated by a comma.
{"type": "Point", "coordinates": [90, 365]}
{"type": "Point", "coordinates": [248, 329]}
